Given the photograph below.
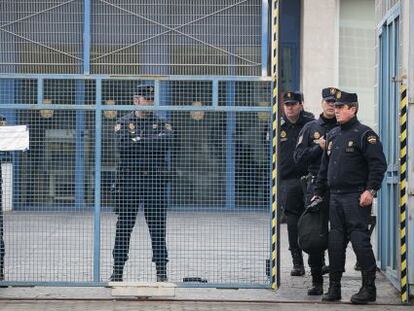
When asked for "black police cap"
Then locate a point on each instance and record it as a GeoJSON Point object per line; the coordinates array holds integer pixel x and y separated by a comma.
{"type": "Point", "coordinates": [146, 91]}
{"type": "Point", "coordinates": [329, 93]}
{"type": "Point", "coordinates": [343, 98]}
{"type": "Point", "coordinates": [292, 97]}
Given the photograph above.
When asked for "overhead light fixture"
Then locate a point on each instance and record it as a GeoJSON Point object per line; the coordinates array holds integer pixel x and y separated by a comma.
{"type": "Point", "coordinates": [46, 113]}
{"type": "Point", "coordinates": [110, 114]}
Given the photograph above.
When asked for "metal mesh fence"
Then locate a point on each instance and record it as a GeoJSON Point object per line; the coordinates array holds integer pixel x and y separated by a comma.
{"type": "Point", "coordinates": [184, 183]}
{"type": "Point", "coordinates": [145, 37]}
{"type": "Point", "coordinates": [41, 36]}
{"type": "Point", "coordinates": [46, 192]}
{"type": "Point", "coordinates": [177, 37]}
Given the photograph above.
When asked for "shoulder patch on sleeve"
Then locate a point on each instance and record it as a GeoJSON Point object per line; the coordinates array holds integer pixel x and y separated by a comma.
{"type": "Point", "coordinates": [372, 139]}
{"type": "Point", "coordinates": [117, 127]}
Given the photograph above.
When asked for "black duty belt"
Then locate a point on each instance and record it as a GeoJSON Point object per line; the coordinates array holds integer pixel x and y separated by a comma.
{"type": "Point", "coordinates": [347, 190]}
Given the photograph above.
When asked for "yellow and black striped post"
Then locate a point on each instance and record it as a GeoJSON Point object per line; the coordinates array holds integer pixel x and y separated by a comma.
{"type": "Point", "coordinates": [275, 142]}
{"type": "Point", "coordinates": [403, 193]}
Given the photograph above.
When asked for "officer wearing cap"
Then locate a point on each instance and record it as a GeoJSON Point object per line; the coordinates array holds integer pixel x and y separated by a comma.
{"type": "Point", "coordinates": [308, 152]}
{"type": "Point", "coordinates": [352, 169]}
{"type": "Point", "coordinates": [143, 141]}
{"type": "Point", "coordinates": [291, 194]}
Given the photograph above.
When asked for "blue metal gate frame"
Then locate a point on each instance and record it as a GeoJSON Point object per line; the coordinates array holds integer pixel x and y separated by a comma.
{"type": "Point", "coordinates": [99, 108]}
{"type": "Point", "coordinates": [388, 97]}
{"type": "Point", "coordinates": [84, 60]}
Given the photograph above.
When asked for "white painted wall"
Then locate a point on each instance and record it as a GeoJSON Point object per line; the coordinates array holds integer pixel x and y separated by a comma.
{"type": "Point", "coordinates": [319, 50]}
{"type": "Point", "coordinates": [338, 49]}
{"type": "Point", "coordinates": [357, 33]}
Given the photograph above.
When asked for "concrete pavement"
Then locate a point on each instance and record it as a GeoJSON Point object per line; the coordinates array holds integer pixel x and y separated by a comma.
{"type": "Point", "coordinates": [292, 294]}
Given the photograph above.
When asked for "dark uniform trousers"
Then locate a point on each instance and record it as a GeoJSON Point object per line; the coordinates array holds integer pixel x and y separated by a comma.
{"type": "Point", "coordinates": [349, 222]}
{"type": "Point", "coordinates": [316, 259]}
{"type": "Point", "coordinates": [138, 188]}
{"type": "Point", "coordinates": [292, 201]}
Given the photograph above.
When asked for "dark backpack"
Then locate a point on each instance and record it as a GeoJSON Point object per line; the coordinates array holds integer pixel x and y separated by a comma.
{"type": "Point", "coordinates": [313, 228]}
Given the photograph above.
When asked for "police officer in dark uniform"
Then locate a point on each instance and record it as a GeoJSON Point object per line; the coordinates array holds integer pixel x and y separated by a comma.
{"type": "Point", "coordinates": [308, 152]}
{"type": "Point", "coordinates": [291, 194]}
{"type": "Point", "coordinates": [143, 141]}
{"type": "Point", "coordinates": [352, 169]}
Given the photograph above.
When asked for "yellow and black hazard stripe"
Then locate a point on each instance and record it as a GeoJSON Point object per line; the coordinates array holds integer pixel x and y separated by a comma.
{"type": "Point", "coordinates": [403, 194]}
{"type": "Point", "coordinates": [275, 129]}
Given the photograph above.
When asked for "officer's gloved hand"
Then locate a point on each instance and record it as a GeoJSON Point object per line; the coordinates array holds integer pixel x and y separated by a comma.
{"type": "Point", "coordinates": [315, 205]}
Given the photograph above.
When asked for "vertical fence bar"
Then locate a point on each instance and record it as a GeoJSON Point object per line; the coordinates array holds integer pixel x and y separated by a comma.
{"type": "Point", "coordinates": [80, 145]}
{"type": "Point", "coordinates": [86, 36]}
{"type": "Point", "coordinates": [97, 200]}
{"type": "Point", "coordinates": [403, 194]}
{"type": "Point", "coordinates": [265, 18]}
{"type": "Point", "coordinates": [215, 96]}
{"type": "Point", "coordinates": [275, 266]}
{"type": "Point", "coordinates": [230, 150]}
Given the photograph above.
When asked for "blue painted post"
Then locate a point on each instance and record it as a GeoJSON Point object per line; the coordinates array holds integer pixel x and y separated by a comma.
{"type": "Point", "coordinates": [265, 12]}
{"type": "Point", "coordinates": [230, 149]}
{"type": "Point", "coordinates": [97, 199]}
{"type": "Point", "coordinates": [80, 146]}
{"type": "Point", "coordinates": [80, 115]}
{"type": "Point", "coordinates": [86, 36]}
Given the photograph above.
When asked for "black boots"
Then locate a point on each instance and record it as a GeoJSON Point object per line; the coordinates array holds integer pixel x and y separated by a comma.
{"type": "Point", "coordinates": [161, 268]}
{"type": "Point", "coordinates": [368, 291]}
{"type": "Point", "coordinates": [117, 274]}
{"type": "Point", "coordinates": [118, 271]}
{"type": "Point", "coordinates": [317, 285]}
{"type": "Point", "coordinates": [298, 268]}
{"type": "Point", "coordinates": [334, 291]}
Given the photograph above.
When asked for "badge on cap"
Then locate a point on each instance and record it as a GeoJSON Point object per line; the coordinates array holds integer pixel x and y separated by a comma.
{"type": "Point", "coordinates": [117, 127]}
{"type": "Point", "coordinates": [289, 95]}
{"type": "Point", "coordinates": [155, 126]}
{"type": "Point", "coordinates": [316, 135]}
{"type": "Point", "coordinates": [332, 91]}
{"type": "Point", "coordinates": [372, 139]}
{"type": "Point", "coordinates": [168, 126]}
{"type": "Point", "coordinates": [338, 95]}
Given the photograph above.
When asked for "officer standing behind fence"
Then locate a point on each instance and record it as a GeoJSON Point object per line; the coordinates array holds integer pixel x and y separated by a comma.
{"type": "Point", "coordinates": [143, 141]}
{"type": "Point", "coordinates": [308, 152]}
{"type": "Point", "coordinates": [352, 169]}
{"type": "Point", "coordinates": [291, 194]}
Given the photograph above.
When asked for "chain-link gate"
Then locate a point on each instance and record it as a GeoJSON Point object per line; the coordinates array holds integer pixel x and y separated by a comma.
{"type": "Point", "coordinates": [142, 178]}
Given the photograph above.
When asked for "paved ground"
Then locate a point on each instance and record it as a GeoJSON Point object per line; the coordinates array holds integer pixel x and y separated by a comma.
{"type": "Point", "coordinates": [59, 247]}
{"type": "Point", "coordinates": [183, 306]}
